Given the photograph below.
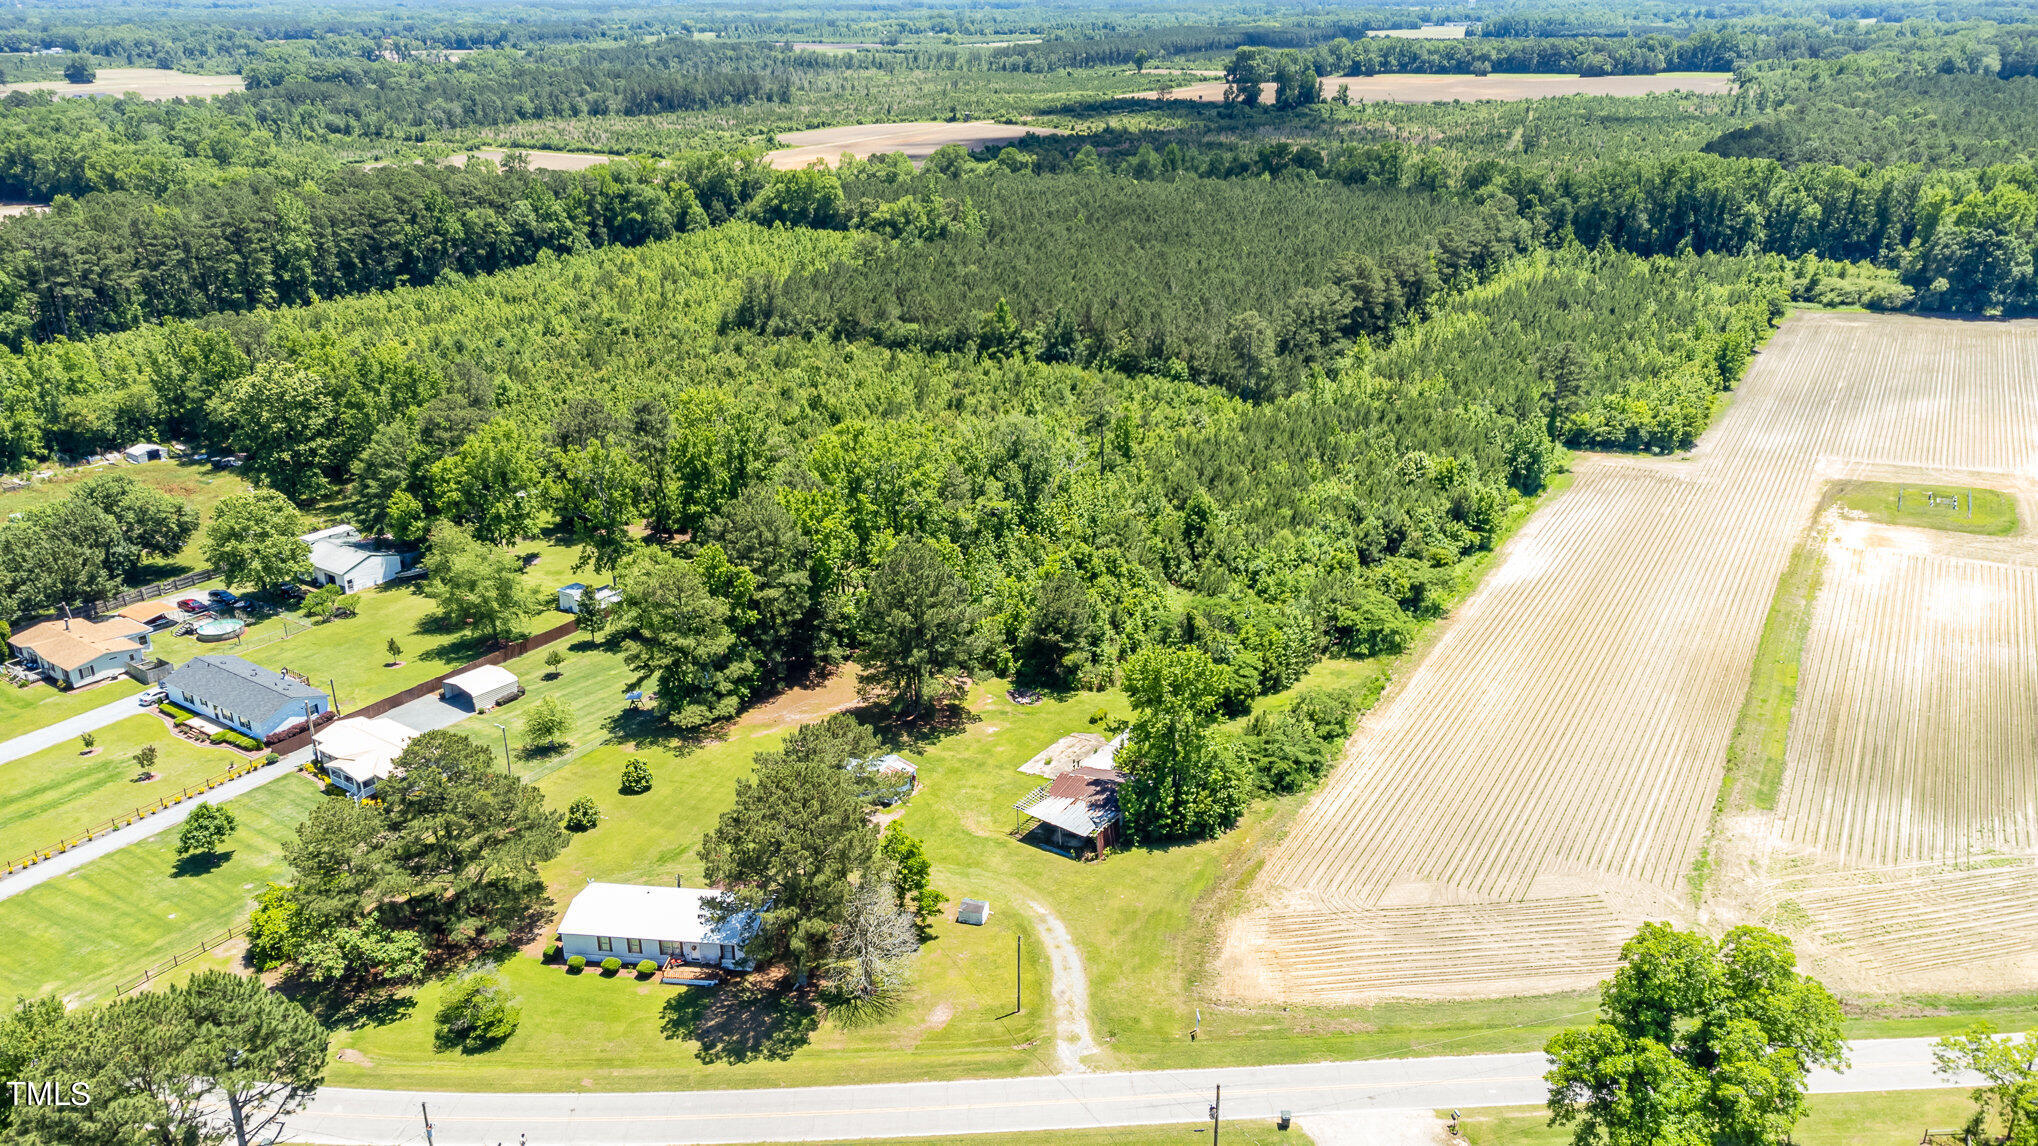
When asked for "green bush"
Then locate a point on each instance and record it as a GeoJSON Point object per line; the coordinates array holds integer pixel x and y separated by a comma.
{"type": "Point", "coordinates": [576, 963]}
{"type": "Point", "coordinates": [647, 968]}
{"type": "Point", "coordinates": [636, 776]}
{"type": "Point", "coordinates": [582, 815]}
{"type": "Point", "coordinates": [611, 965]}
{"type": "Point", "coordinates": [176, 712]}
{"type": "Point", "coordinates": [551, 952]}
{"type": "Point", "coordinates": [477, 1010]}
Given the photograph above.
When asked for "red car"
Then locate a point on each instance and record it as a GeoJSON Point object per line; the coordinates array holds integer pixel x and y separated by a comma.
{"type": "Point", "coordinates": [194, 605]}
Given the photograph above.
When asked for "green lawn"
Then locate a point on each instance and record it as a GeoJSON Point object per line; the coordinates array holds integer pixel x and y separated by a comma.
{"type": "Point", "coordinates": [59, 792]}
{"type": "Point", "coordinates": [1956, 507]}
{"type": "Point", "coordinates": [194, 482]}
{"type": "Point", "coordinates": [24, 709]}
{"type": "Point", "coordinates": [1878, 1118]}
{"type": "Point", "coordinates": [81, 933]}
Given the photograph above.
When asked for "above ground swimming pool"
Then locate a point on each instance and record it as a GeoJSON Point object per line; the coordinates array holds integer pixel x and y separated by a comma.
{"type": "Point", "coordinates": [219, 629]}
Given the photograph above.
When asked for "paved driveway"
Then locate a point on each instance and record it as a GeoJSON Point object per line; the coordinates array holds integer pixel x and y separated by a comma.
{"type": "Point", "coordinates": [428, 714]}
{"type": "Point", "coordinates": [30, 743]}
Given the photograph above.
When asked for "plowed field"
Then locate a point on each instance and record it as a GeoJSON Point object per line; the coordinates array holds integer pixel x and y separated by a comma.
{"type": "Point", "coordinates": [1545, 777]}
{"type": "Point", "coordinates": [917, 140]}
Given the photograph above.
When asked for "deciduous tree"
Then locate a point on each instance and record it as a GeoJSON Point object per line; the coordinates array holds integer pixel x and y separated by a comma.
{"type": "Point", "coordinates": [1183, 782]}
{"type": "Point", "coordinates": [255, 540]}
{"type": "Point", "coordinates": [477, 585]}
{"type": "Point", "coordinates": [1698, 1041]}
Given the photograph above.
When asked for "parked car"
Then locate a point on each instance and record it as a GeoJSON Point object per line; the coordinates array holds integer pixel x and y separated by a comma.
{"type": "Point", "coordinates": [194, 605]}
{"type": "Point", "coordinates": [291, 592]}
{"type": "Point", "coordinates": [154, 696]}
{"type": "Point", "coordinates": [223, 597]}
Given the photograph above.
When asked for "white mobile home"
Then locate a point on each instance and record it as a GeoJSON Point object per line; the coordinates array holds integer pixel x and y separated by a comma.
{"type": "Point", "coordinates": [633, 922]}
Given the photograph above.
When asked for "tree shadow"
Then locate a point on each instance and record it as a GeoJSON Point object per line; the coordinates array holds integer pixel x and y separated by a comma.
{"type": "Point", "coordinates": [200, 863]}
{"type": "Point", "coordinates": [854, 1011]}
{"type": "Point", "coordinates": [350, 1007]}
{"type": "Point", "coordinates": [738, 1022]}
{"type": "Point", "coordinates": [931, 724]}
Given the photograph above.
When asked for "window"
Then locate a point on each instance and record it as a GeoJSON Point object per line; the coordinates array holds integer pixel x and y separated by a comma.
{"type": "Point", "coordinates": [604, 943]}
{"type": "Point", "coordinates": [636, 946]}
{"type": "Point", "coordinates": [667, 947]}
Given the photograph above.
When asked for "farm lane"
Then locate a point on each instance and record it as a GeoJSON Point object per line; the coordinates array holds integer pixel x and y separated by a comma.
{"type": "Point", "coordinates": [30, 743]}
{"type": "Point", "coordinates": [1252, 1095]}
{"type": "Point", "coordinates": [1545, 779]}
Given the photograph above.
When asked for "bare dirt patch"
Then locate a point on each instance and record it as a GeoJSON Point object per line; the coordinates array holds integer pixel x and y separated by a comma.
{"type": "Point", "coordinates": [1546, 778]}
{"type": "Point", "coordinates": [148, 83]}
{"type": "Point", "coordinates": [917, 140]}
{"type": "Point", "coordinates": [1439, 89]}
{"type": "Point", "coordinates": [1426, 32]}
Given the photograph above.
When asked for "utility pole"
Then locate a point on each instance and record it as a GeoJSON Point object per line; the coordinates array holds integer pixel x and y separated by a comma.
{"type": "Point", "coordinates": [428, 1123]}
{"type": "Point", "coordinates": [505, 748]}
{"type": "Point", "coordinates": [1018, 976]}
{"type": "Point", "coordinates": [336, 695]}
{"type": "Point", "coordinates": [1216, 1108]}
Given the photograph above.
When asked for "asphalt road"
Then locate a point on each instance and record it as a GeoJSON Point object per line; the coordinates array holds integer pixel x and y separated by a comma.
{"type": "Point", "coordinates": [1253, 1096]}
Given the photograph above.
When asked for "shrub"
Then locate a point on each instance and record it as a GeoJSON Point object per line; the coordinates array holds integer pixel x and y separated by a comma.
{"type": "Point", "coordinates": [351, 603]}
{"type": "Point", "coordinates": [477, 1010]}
{"type": "Point", "coordinates": [546, 725]}
{"type": "Point", "coordinates": [611, 965]}
{"type": "Point", "coordinates": [583, 815]}
{"type": "Point", "coordinates": [1100, 716]}
{"type": "Point", "coordinates": [551, 952]}
{"type": "Point", "coordinates": [554, 659]}
{"type": "Point", "coordinates": [647, 967]}
{"type": "Point", "coordinates": [321, 600]}
{"type": "Point", "coordinates": [89, 740]}
{"type": "Point", "coordinates": [576, 963]}
{"type": "Point", "coordinates": [636, 776]}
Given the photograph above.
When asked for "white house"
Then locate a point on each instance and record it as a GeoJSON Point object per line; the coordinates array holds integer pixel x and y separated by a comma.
{"type": "Point", "coordinates": [633, 922]}
{"type": "Point", "coordinates": [341, 556]}
{"type": "Point", "coordinates": [360, 751]}
{"type": "Point", "coordinates": [69, 652]}
{"type": "Point", "coordinates": [570, 595]}
{"type": "Point", "coordinates": [482, 688]}
{"type": "Point", "coordinates": [246, 697]}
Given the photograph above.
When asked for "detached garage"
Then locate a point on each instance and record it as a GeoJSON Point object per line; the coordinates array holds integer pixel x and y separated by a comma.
{"type": "Point", "coordinates": [481, 689]}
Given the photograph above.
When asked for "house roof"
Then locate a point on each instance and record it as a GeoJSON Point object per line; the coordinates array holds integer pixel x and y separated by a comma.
{"type": "Point", "coordinates": [1082, 800]}
{"type": "Point", "coordinates": [329, 533]}
{"type": "Point", "coordinates": [147, 611]}
{"type": "Point", "coordinates": [339, 556]}
{"type": "Point", "coordinates": [364, 747]}
{"type": "Point", "coordinates": [636, 911]}
{"type": "Point", "coordinates": [68, 644]}
{"type": "Point", "coordinates": [237, 686]}
{"type": "Point", "coordinates": [474, 682]}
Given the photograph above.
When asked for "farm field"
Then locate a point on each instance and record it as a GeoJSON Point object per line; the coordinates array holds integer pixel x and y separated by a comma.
{"type": "Point", "coordinates": [1545, 778]}
{"type": "Point", "coordinates": [917, 140]}
{"type": "Point", "coordinates": [148, 83]}
{"type": "Point", "coordinates": [1425, 88]}
{"type": "Point", "coordinates": [1426, 32]}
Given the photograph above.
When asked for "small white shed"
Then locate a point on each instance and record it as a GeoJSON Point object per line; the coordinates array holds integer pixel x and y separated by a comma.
{"type": "Point", "coordinates": [481, 689]}
{"type": "Point", "coordinates": [570, 595]}
{"type": "Point", "coordinates": [144, 452]}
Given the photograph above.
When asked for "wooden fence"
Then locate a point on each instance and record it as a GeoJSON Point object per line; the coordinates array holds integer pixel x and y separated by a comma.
{"type": "Point", "coordinates": [137, 596]}
{"type": "Point", "coordinates": [126, 818]}
{"type": "Point", "coordinates": [507, 652]}
{"type": "Point", "coordinates": [177, 960]}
